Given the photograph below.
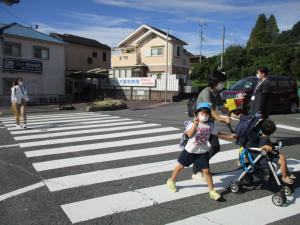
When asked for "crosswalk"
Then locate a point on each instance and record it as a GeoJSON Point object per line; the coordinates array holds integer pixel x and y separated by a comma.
{"type": "Point", "coordinates": [77, 151]}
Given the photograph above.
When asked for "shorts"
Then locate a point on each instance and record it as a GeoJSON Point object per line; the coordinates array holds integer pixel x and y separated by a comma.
{"type": "Point", "coordinates": [200, 160]}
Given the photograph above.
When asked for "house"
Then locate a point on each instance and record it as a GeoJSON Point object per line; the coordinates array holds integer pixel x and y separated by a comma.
{"type": "Point", "coordinates": [34, 56]}
{"type": "Point", "coordinates": [84, 57]}
{"type": "Point", "coordinates": [149, 55]}
{"type": "Point", "coordinates": [144, 53]}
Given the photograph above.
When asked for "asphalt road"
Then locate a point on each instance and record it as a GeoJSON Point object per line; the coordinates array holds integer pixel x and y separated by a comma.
{"type": "Point", "coordinates": [111, 168]}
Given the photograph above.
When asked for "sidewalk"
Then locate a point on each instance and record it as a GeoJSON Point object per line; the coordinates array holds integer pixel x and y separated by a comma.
{"type": "Point", "coordinates": [5, 110]}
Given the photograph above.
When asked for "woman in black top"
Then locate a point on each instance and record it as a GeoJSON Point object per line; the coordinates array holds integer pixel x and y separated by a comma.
{"type": "Point", "coordinates": [260, 100]}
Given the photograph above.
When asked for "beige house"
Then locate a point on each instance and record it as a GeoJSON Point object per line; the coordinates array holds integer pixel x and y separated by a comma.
{"type": "Point", "coordinates": [84, 59]}
{"type": "Point", "coordinates": [145, 53]}
{"type": "Point", "coordinates": [36, 57]}
{"type": "Point", "coordinates": [84, 54]}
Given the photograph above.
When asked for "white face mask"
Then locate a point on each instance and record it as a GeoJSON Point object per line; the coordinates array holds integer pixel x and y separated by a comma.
{"type": "Point", "coordinates": [258, 76]}
{"type": "Point", "coordinates": [20, 83]}
{"type": "Point", "coordinates": [220, 86]}
{"type": "Point", "coordinates": [203, 118]}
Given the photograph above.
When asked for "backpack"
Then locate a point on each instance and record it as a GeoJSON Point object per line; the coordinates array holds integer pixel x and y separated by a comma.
{"type": "Point", "coordinates": [185, 138]}
{"type": "Point", "coordinates": [191, 104]}
{"type": "Point", "coordinates": [246, 127]}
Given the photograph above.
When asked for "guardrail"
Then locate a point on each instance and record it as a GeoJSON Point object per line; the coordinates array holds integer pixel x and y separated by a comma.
{"type": "Point", "coordinates": [43, 99]}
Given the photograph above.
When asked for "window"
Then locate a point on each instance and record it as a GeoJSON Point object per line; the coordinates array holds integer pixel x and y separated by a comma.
{"type": "Point", "coordinates": [124, 57]}
{"type": "Point", "coordinates": [284, 84]}
{"type": "Point", "coordinates": [104, 56]}
{"type": "Point", "coordinates": [157, 51]}
{"type": "Point", "coordinates": [95, 55]}
{"type": "Point", "coordinates": [12, 49]}
{"type": "Point", "coordinates": [178, 51]}
{"type": "Point", "coordinates": [244, 84]}
{"type": "Point", "coordinates": [40, 52]}
{"type": "Point", "coordinates": [90, 60]}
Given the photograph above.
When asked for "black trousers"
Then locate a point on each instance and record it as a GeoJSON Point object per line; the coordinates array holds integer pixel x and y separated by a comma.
{"type": "Point", "coordinates": [215, 148]}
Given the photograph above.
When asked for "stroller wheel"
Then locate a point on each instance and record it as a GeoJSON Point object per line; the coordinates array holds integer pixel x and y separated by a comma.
{"type": "Point", "coordinates": [247, 179]}
{"type": "Point", "coordinates": [278, 199]}
{"type": "Point", "coordinates": [288, 190]}
{"type": "Point", "coordinates": [234, 187]}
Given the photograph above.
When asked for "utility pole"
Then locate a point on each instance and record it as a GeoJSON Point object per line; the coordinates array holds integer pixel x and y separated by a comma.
{"type": "Point", "coordinates": [201, 38]}
{"type": "Point", "coordinates": [167, 63]}
{"type": "Point", "coordinates": [223, 47]}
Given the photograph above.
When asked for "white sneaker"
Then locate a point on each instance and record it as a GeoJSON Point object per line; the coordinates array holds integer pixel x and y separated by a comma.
{"type": "Point", "coordinates": [24, 126]}
{"type": "Point", "coordinates": [199, 176]}
{"type": "Point", "coordinates": [18, 126]}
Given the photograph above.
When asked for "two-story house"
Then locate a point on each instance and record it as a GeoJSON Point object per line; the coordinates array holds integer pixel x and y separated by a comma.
{"type": "Point", "coordinates": [83, 55]}
{"type": "Point", "coordinates": [145, 53]}
{"type": "Point", "coordinates": [36, 57]}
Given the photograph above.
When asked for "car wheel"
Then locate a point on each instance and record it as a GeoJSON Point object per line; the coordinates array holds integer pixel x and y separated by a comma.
{"type": "Point", "coordinates": [293, 107]}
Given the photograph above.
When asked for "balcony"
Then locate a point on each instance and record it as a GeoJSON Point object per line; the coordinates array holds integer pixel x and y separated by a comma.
{"type": "Point", "coordinates": [124, 57]}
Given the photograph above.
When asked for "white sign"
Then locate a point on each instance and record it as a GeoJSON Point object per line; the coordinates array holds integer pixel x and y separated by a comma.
{"type": "Point", "coordinates": [133, 82]}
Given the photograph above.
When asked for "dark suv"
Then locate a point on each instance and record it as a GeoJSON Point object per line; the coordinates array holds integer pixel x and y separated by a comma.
{"type": "Point", "coordinates": [284, 97]}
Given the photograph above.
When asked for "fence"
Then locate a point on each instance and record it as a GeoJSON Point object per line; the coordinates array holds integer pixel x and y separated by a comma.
{"type": "Point", "coordinates": [44, 99]}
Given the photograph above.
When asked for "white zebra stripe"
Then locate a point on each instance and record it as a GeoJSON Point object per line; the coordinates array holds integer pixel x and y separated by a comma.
{"type": "Point", "coordinates": [126, 201]}
{"type": "Point", "coordinates": [256, 210]}
{"type": "Point", "coordinates": [68, 124]}
{"type": "Point", "coordinates": [100, 176]}
{"type": "Point", "coordinates": [82, 131]}
{"type": "Point", "coordinates": [103, 123]}
{"type": "Point", "coordinates": [102, 136]}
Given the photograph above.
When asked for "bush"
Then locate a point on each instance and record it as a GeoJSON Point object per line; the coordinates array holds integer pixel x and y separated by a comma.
{"type": "Point", "coordinates": [106, 104]}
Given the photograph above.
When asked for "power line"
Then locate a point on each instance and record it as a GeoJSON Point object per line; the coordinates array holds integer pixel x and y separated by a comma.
{"type": "Point", "coordinates": [18, 18]}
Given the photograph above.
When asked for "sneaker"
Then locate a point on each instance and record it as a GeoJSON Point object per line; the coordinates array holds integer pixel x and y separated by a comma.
{"type": "Point", "coordinates": [171, 185]}
{"type": "Point", "coordinates": [18, 126]}
{"type": "Point", "coordinates": [287, 180]}
{"type": "Point", "coordinates": [24, 126]}
{"type": "Point", "coordinates": [214, 195]}
{"type": "Point", "coordinates": [198, 176]}
{"type": "Point", "coordinates": [292, 176]}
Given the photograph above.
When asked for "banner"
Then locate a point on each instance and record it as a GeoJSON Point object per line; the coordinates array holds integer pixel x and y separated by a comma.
{"type": "Point", "coordinates": [21, 65]}
{"type": "Point", "coordinates": [133, 82]}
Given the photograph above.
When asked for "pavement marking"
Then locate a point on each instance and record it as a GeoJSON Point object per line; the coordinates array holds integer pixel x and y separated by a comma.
{"type": "Point", "coordinates": [58, 119]}
{"type": "Point", "coordinates": [83, 160]}
{"type": "Point", "coordinates": [49, 116]}
{"type": "Point", "coordinates": [81, 131]}
{"type": "Point", "coordinates": [104, 145]}
{"type": "Point", "coordinates": [141, 198]}
{"type": "Point", "coordinates": [252, 209]}
{"type": "Point", "coordinates": [110, 123]}
{"type": "Point", "coordinates": [287, 127]}
{"type": "Point", "coordinates": [21, 191]}
{"type": "Point", "coordinates": [98, 146]}
{"type": "Point", "coordinates": [57, 125]}
{"type": "Point", "coordinates": [102, 136]}
{"type": "Point", "coordinates": [101, 176]}
{"type": "Point", "coordinates": [64, 120]}
{"type": "Point", "coordinates": [8, 146]}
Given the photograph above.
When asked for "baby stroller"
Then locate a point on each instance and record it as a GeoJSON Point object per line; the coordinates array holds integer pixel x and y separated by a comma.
{"type": "Point", "coordinates": [263, 166]}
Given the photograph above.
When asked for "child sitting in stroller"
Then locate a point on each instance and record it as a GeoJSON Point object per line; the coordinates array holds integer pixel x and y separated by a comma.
{"type": "Point", "coordinates": [267, 129]}
{"type": "Point", "coordinates": [258, 154]}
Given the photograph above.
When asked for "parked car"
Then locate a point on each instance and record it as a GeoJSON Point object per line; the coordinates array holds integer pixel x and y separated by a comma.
{"type": "Point", "coordinates": [284, 97]}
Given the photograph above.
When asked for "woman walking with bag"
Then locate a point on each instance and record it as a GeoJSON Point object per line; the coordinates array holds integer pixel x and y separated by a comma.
{"type": "Point", "coordinates": [19, 98]}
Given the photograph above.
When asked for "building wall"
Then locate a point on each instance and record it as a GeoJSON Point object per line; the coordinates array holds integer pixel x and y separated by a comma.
{"type": "Point", "coordinates": [177, 64]}
{"type": "Point", "coordinates": [77, 57]}
{"type": "Point", "coordinates": [50, 81]}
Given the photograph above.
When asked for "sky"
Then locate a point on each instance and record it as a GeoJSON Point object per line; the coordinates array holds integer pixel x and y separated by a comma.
{"type": "Point", "coordinates": [110, 21]}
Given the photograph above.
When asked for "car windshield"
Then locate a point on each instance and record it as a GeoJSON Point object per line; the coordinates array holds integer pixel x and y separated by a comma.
{"type": "Point", "coordinates": [244, 84]}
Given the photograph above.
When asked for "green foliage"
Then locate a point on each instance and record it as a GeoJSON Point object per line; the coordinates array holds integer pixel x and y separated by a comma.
{"type": "Point", "coordinates": [280, 52]}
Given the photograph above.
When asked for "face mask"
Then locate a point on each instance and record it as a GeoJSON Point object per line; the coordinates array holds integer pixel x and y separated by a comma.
{"type": "Point", "coordinates": [203, 118]}
{"type": "Point", "coordinates": [20, 83]}
{"type": "Point", "coordinates": [220, 86]}
{"type": "Point", "coordinates": [258, 76]}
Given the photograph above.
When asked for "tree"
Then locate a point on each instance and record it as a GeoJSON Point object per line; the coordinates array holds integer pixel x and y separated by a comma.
{"type": "Point", "coordinates": [272, 29]}
{"type": "Point", "coordinates": [258, 36]}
